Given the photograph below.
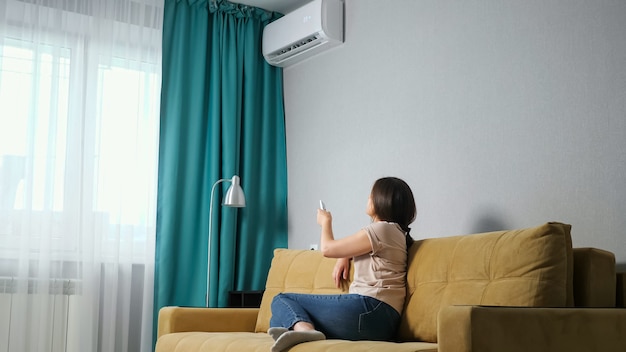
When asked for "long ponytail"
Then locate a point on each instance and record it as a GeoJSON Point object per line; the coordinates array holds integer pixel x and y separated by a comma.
{"type": "Point", "coordinates": [408, 238]}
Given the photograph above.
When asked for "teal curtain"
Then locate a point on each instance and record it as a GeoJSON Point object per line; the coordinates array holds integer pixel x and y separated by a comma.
{"type": "Point", "coordinates": [221, 115]}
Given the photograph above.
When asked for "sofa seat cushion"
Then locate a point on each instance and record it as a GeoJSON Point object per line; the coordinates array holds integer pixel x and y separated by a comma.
{"type": "Point", "coordinates": [214, 341]}
{"type": "Point", "coordinates": [364, 346]}
{"type": "Point", "coordinates": [528, 267]}
{"type": "Point", "coordinates": [262, 342]}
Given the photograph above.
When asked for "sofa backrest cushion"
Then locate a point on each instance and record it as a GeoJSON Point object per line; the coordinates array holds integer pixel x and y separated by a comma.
{"type": "Point", "coordinates": [527, 267]}
{"type": "Point", "coordinates": [300, 271]}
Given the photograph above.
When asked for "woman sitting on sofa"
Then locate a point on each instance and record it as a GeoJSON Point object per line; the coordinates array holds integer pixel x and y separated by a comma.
{"type": "Point", "coordinates": [371, 310]}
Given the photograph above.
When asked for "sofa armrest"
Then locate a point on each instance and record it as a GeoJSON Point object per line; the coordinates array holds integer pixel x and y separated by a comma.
{"type": "Point", "coordinates": [620, 300]}
{"type": "Point", "coordinates": [183, 319]}
{"type": "Point", "coordinates": [491, 329]}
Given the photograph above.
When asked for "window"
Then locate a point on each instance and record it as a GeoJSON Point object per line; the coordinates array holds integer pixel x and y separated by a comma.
{"type": "Point", "coordinates": [78, 141]}
{"type": "Point", "coordinates": [79, 121]}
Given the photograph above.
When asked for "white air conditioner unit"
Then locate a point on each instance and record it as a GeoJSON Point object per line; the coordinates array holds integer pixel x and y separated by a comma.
{"type": "Point", "coordinates": [304, 32]}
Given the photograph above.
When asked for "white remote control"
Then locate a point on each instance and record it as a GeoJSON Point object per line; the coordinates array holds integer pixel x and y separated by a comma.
{"type": "Point", "coordinates": [322, 205]}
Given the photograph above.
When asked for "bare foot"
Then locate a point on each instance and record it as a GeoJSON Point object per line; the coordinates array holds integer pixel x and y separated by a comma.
{"type": "Point", "coordinates": [303, 326]}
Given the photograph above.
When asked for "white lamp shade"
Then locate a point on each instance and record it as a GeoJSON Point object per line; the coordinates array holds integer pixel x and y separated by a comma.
{"type": "Point", "coordinates": [234, 196]}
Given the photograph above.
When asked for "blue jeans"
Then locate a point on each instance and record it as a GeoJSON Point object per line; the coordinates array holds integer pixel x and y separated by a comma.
{"type": "Point", "coordinates": [345, 316]}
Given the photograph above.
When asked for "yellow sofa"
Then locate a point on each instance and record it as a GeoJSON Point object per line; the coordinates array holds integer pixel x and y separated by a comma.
{"type": "Point", "coordinates": [519, 290]}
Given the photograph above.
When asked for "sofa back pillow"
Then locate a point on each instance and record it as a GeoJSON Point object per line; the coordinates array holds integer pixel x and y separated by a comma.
{"type": "Point", "coordinates": [527, 267]}
{"type": "Point", "coordinates": [300, 271]}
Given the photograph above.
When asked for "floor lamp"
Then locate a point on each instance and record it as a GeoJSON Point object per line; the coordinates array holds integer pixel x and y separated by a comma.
{"type": "Point", "coordinates": [234, 198]}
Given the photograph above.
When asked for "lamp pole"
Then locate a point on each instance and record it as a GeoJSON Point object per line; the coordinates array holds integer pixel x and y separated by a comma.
{"type": "Point", "coordinates": [234, 198]}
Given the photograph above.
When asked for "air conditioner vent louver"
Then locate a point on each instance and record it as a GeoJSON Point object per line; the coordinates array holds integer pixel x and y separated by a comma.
{"type": "Point", "coordinates": [295, 48]}
{"type": "Point", "coordinates": [303, 42]}
{"type": "Point", "coordinates": [313, 28]}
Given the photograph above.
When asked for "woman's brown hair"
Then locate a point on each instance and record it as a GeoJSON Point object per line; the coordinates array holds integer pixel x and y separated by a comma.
{"type": "Point", "coordinates": [392, 200]}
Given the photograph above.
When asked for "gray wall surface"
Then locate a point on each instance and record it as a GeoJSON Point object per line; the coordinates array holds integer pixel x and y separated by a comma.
{"type": "Point", "coordinates": [499, 115]}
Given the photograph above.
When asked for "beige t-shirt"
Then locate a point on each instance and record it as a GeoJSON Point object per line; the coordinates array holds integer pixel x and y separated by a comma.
{"type": "Point", "coordinates": [382, 273]}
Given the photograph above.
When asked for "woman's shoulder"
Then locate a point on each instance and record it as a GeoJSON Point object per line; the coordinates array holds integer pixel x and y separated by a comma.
{"type": "Point", "coordinates": [385, 231]}
{"type": "Point", "coordinates": [385, 226]}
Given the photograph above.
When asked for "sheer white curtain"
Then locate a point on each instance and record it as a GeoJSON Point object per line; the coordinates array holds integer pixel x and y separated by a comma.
{"type": "Point", "coordinates": [79, 111]}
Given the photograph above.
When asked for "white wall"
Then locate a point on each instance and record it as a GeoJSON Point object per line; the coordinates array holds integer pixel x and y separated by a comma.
{"type": "Point", "coordinates": [499, 114]}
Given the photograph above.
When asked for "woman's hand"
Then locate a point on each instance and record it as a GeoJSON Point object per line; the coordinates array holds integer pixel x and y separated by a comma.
{"type": "Point", "coordinates": [341, 272]}
{"type": "Point", "coordinates": [324, 217]}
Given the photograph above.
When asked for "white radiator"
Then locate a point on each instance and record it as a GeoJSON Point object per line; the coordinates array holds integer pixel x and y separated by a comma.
{"type": "Point", "coordinates": [51, 316]}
